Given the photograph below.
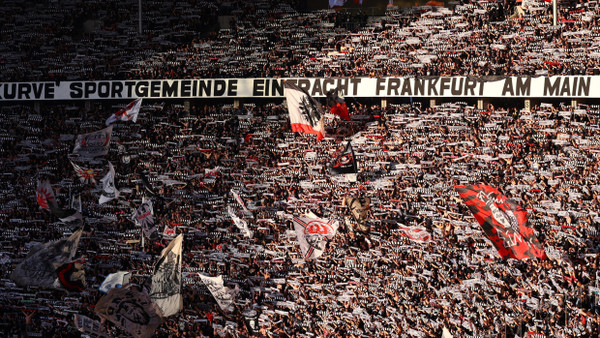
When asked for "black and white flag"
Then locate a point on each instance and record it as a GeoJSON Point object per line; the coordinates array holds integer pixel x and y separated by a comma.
{"type": "Point", "coordinates": [94, 144]}
{"type": "Point", "coordinates": [166, 280]}
{"type": "Point", "coordinates": [109, 191]}
{"type": "Point", "coordinates": [144, 216]}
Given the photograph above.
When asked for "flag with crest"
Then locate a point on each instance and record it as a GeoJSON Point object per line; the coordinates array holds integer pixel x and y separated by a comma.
{"type": "Point", "coordinates": [306, 114]}
{"type": "Point", "coordinates": [128, 113]}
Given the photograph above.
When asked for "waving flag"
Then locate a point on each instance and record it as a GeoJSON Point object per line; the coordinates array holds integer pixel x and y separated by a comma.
{"type": "Point", "coordinates": [131, 310]}
{"type": "Point", "coordinates": [71, 276]}
{"type": "Point", "coordinates": [359, 208]}
{"type": "Point", "coordinates": [415, 233]}
{"type": "Point", "coordinates": [503, 222]}
{"type": "Point", "coordinates": [128, 113]}
{"type": "Point", "coordinates": [166, 280]}
{"type": "Point", "coordinates": [115, 280]}
{"type": "Point", "coordinates": [93, 144]}
{"type": "Point", "coordinates": [237, 197]}
{"type": "Point", "coordinates": [306, 114]}
{"type": "Point", "coordinates": [345, 163]}
{"type": "Point", "coordinates": [86, 175]}
{"type": "Point", "coordinates": [239, 223]}
{"type": "Point", "coordinates": [89, 327]}
{"type": "Point", "coordinates": [40, 266]}
{"type": "Point", "coordinates": [337, 104]}
{"type": "Point", "coordinates": [313, 234]}
{"type": "Point", "coordinates": [109, 191]}
{"type": "Point", "coordinates": [45, 195]}
{"type": "Point", "coordinates": [222, 294]}
{"type": "Point", "coordinates": [144, 216]}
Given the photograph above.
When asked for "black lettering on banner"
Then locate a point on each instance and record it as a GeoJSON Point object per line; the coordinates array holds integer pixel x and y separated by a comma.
{"type": "Point", "coordinates": [129, 85]}
{"type": "Point", "coordinates": [523, 86]}
{"type": "Point", "coordinates": [1, 96]}
{"type": "Point", "coordinates": [343, 85]}
{"type": "Point", "coordinates": [445, 84]}
{"type": "Point", "coordinates": [431, 86]}
{"type": "Point", "coordinates": [90, 88]}
{"type": "Point", "coordinates": [205, 87]}
{"type": "Point", "coordinates": [155, 88]}
{"type": "Point", "coordinates": [326, 84]}
{"type": "Point", "coordinates": [393, 85]}
{"type": "Point", "coordinates": [457, 91]}
{"type": "Point", "coordinates": [470, 86]}
{"type": "Point", "coordinates": [186, 86]}
{"type": "Point", "coordinates": [419, 87]}
{"type": "Point", "coordinates": [258, 87]}
{"type": "Point", "coordinates": [141, 89]}
{"type": "Point", "coordinates": [276, 87]}
{"type": "Point", "coordinates": [170, 90]}
{"type": "Point", "coordinates": [195, 88]}
{"type": "Point", "coordinates": [24, 89]}
{"type": "Point", "coordinates": [355, 83]}
{"type": "Point", "coordinates": [103, 89]}
{"type": "Point", "coordinates": [551, 88]}
{"type": "Point", "coordinates": [406, 89]}
{"type": "Point", "coordinates": [37, 89]}
{"type": "Point", "coordinates": [76, 90]}
{"type": "Point", "coordinates": [508, 87]}
{"type": "Point", "coordinates": [481, 84]}
{"type": "Point", "coordinates": [316, 90]}
{"type": "Point", "coordinates": [304, 84]}
{"type": "Point", "coordinates": [232, 88]}
{"type": "Point", "coordinates": [379, 86]}
{"type": "Point", "coordinates": [566, 88]}
{"type": "Point", "coordinates": [584, 86]}
{"type": "Point", "coordinates": [116, 89]}
{"type": "Point", "coordinates": [220, 86]}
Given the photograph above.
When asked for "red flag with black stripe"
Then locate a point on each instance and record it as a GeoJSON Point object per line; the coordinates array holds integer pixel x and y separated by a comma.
{"type": "Point", "coordinates": [503, 221]}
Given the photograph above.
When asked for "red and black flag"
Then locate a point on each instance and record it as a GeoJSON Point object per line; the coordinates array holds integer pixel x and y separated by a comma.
{"type": "Point", "coordinates": [503, 221]}
{"type": "Point", "coordinates": [345, 163]}
{"type": "Point", "coordinates": [337, 104]}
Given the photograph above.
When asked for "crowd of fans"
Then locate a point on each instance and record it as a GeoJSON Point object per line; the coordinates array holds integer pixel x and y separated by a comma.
{"type": "Point", "coordinates": [381, 283]}
{"type": "Point", "coordinates": [185, 39]}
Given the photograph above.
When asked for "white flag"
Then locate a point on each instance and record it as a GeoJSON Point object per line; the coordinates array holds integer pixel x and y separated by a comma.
{"type": "Point", "coordinates": [40, 266]}
{"type": "Point", "coordinates": [240, 223]}
{"type": "Point", "coordinates": [144, 216]}
{"type": "Point", "coordinates": [131, 310]}
{"type": "Point", "coordinates": [93, 144]}
{"type": "Point", "coordinates": [166, 280]}
{"type": "Point", "coordinates": [306, 114]}
{"type": "Point", "coordinates": [237, 197]}
{"type": "Point", "coordinates": [109, 191]}
{"type": "Point", "coordinates": [128, 113]}
{"type": "Point", "coordinates": [90, 327]}
{"type": "Point", "coordinates": [222, 294]}
{"type": "Point", "coordinates": [313, 234]}
{"type": "Point", "coordinates": [45, 195]}
{"type": "Point", "coordinates": [115, 280]}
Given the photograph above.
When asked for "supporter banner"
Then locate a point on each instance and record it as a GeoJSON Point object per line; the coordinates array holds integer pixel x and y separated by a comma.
{"type": "Point", "coordinates": [90, 327]}
{"type": "Point", "coordinates": [131, 310]}
{"type": "Point", "coordinates": [458, 86]}
{"type": "Point", "coordinates": [93, 144]}
{"type": "Point", "coordinates": [166, 280]}
{"type": "Point", "coordinates": [503, 222]}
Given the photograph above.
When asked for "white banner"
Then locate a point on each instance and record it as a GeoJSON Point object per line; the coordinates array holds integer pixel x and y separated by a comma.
{"type": "Point", "coordinates": [93, 144]}
{"type": "Point", "coordinates": [580, 86]}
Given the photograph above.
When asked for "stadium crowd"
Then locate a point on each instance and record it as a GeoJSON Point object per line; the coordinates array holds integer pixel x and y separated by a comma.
{"type": "Point", "coordinates": [425, 264]}
{"type": "Point", "coordinates": [272, 39]}
{"type": "Point", "coordinates": [384, 283]}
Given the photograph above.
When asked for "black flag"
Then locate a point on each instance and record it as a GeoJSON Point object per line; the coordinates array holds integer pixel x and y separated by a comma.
{"type": "Point", "coordinates": [345, 163]}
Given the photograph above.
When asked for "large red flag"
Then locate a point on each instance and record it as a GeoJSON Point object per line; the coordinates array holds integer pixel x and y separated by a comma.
{"type": "Point", "coordinates": [503, 221]}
